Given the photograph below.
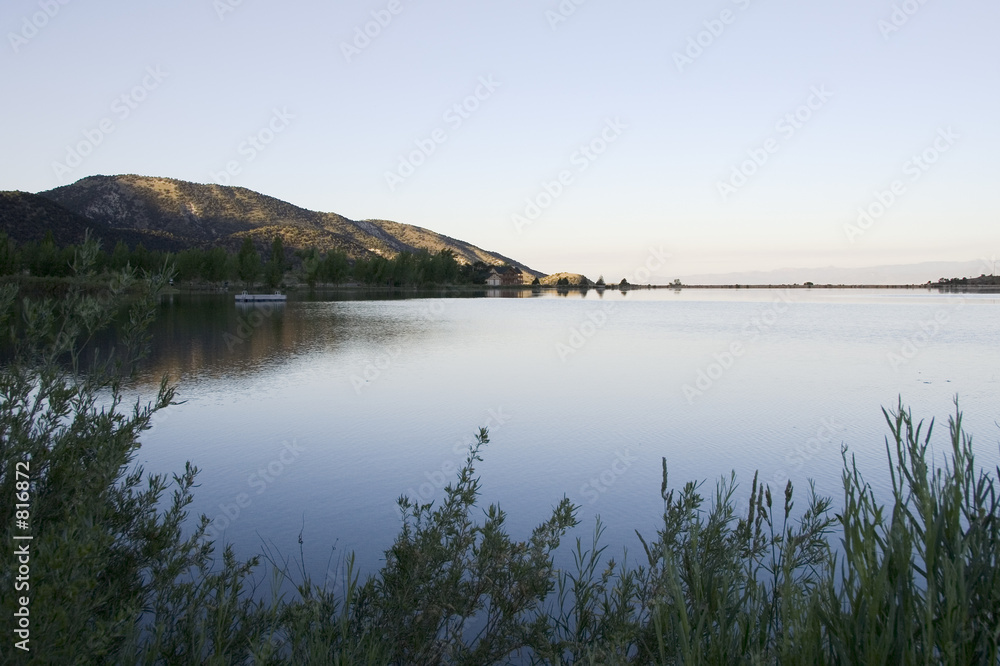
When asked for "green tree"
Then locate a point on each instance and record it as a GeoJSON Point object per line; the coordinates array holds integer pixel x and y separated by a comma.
{"type": "Point", "coordinates": [10, 259]}
{"type": "Point", "coordinates": [335, 267]}
{"type": "Point", "coordinates": [272, 276]}
{"type": "Point", "coordinates": [119, 256]}
{"type": "Point", "coordinates": [44, 259]}
{"type": "Point", "coordinates": [190, 264]}
{"type": "Point", "coordinates": [278, 253]}
{"type": "Point", "coordinates": [141, 259]}
{"type": "Point", "coordinates": [248, 263]}
{"type": "Point", "coordinates": [362, 270]}
{"type": "Point", "coordinates": [403, 270]}
{"type": "Point", "coordinates": [274, 271]}
{"type": "Point", "coordinates": [216, 265]}
{"type": "Point", "coordinates": [312, 266]}
{"type": "Point", "coordinates": [478, 271]}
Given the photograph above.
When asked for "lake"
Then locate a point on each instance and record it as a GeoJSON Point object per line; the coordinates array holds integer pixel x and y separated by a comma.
{"type": "Point", "coordinates": [316, 415]}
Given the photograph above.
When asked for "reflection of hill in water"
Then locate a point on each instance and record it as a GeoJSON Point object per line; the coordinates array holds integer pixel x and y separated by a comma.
{"type": "Point", "coordinates": [209, 334]}
{"type": "Point", "coordinates": [213, 335]}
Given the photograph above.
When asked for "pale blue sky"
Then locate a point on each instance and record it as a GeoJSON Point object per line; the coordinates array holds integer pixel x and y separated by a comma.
{"type": "Point", "coordinates": [680, 133]}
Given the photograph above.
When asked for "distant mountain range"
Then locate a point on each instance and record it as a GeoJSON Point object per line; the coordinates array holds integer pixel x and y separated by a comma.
{"type": "Point", "coordinates": [169, 214]}
{"type": "Point", "coordinates": [871, 275]}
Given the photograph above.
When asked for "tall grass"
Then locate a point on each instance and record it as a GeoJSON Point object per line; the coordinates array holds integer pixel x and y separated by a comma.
{"type": "Point", "coordinates": [916, 581]}
{"type": "Point", "coordinates": [919, 580]}
{"type": "Point", "coordinates": [121, 574]}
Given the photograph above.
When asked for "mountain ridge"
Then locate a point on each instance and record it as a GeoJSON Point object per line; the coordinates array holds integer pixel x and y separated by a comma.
{"type": "Point", "coordinates": [178, 214]}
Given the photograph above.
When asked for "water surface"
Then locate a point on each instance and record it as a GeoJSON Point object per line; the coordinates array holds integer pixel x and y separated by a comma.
{"type": "Point", "coordinates": [314, 416]}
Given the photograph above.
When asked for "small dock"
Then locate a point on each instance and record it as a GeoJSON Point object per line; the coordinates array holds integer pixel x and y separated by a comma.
{"type": "Point", "coordinates": [257, 298]}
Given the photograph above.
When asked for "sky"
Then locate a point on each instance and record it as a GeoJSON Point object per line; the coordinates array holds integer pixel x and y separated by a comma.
{"type": "Point", "coordinates": [583, 135]}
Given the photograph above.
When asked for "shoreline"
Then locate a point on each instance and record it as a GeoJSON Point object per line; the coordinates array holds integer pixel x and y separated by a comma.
{"type": "Point", "coordinates": [634, 287]}
{"type": "Point", "coordinates": [55, 285]}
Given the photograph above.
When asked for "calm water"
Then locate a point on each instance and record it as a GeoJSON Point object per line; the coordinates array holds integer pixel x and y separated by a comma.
{"type": "Point", "coordinates": [318, 414]}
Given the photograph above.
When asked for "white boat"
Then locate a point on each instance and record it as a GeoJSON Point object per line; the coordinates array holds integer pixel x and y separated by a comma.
{"type": "Point", "coordinates": [253, 298]}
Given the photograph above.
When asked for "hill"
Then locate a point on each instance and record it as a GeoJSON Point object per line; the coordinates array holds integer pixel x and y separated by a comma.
{"type": "Point", "coordinates": [575, 279]}
{"type": "Point", "coordinates": [189, 214]}
{"type": "Point", "coordinates": [981, 281]}
{"type": "Point", "coordinates": [28, 217]}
